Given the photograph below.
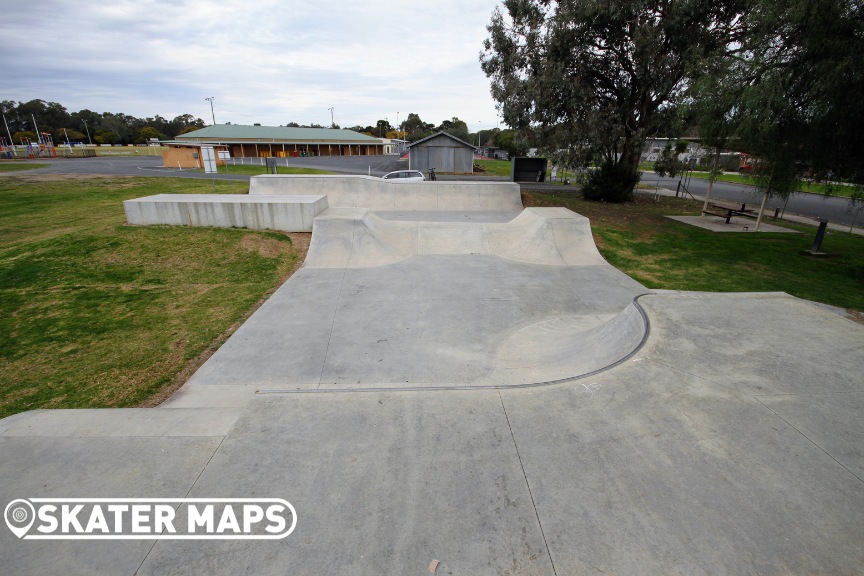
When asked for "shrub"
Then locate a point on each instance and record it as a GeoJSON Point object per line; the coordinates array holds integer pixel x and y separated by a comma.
{"type": "Point", "coordinates": [611, 183]}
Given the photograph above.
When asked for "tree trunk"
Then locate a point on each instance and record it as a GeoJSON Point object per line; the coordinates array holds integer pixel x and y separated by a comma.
{"type": "Point", "coordinates": [711, 183]}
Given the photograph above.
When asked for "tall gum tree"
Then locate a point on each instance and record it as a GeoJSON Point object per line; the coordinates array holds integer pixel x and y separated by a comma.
{"type": "Point", "coordinates": [594, 76]}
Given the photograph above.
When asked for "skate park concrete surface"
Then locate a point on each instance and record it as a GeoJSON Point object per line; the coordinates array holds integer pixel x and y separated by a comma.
{"type": "Point", "coordinates": [479, 392]}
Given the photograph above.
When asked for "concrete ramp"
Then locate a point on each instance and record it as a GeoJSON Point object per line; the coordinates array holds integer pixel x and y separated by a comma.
{"type": "Point", "coordinates": [567, 346]}
{"type": "Point", "coordinates": [554, 236]}
{"type": "Point", "coordinates": [358, 238]}
{"type": "Point", "coordinates": [383, 195]}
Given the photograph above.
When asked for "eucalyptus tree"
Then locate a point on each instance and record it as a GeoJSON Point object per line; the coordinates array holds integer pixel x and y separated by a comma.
{"type": "Point", "coordinates": [595, 75]}
{"type": "Point", "coordinates": [792, 95]}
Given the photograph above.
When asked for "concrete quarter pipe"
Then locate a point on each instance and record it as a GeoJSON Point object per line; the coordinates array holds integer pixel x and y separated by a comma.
{"type": "Point", "coordinates": [387, 298]}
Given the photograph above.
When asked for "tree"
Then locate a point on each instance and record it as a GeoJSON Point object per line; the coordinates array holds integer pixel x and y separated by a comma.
{"type": "Point", "coordinates": [19, 137]}
{"type": "Point", "coordinates": [147, 133]}
{"type": "Point", "coordinates": [85, 121]}
{"type": "Point", "coordinates": [382, 127]}
{"type": "Point", "coordinates": [792, 96]}
{"type": "Point", "coordinates": [509, 141]}
{"type": "Point", "coordinates": [67, 134]}
{"type": "Point", "coordinates": [810, 74]}
{"type": "Point", "coordinates": [105, 137]}
{"type": "Point", "coordinates": [187, 129]}
{"type": "Point", "coordinates": [415, 128]}
{"type": "Point", "coordinates": [456, 127]}
{"type": "Point", "coordinates": [595, 75]}
{"type": "Point", "coordinates": [669, 164]}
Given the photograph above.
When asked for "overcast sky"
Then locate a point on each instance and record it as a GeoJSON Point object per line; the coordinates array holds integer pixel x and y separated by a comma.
{"type": "Point", "coordinates": [267, 61]}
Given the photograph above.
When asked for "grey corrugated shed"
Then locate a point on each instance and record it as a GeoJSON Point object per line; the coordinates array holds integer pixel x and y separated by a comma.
{"type": "Point", "coordinates": [442, 133]}
{"type": "Point", "coordinates": [443, 152]}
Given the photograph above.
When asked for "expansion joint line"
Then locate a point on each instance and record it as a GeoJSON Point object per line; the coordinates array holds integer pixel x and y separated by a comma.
{"type": "Point", "coordinates": [527, 484]}
{"type": "Point", "coordinates": [332, 325]}
{"type": "Point", "coordinates": [788, 423]}
{"type": "Point", "coordinates": [191, 486]}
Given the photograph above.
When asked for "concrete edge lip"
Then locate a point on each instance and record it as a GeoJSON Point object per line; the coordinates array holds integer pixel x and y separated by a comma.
{"type": "Point", "coordinates": [229, 198]}
{"type": "Point", "coordinates": [646, 332]}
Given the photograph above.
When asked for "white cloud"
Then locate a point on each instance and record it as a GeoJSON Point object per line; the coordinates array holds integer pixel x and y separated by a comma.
{"type": "Point", "coordinates": [267, 61]}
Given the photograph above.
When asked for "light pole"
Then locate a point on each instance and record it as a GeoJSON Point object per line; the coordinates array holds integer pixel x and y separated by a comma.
{"type": "Point", "coordinates": [332, 122]}
{"type": "Point", "coordinates": [397, 126]}
{"type": "Point", "coordinates": [88, 132]}
{"type": "Point", "coordinates": [211, 98]}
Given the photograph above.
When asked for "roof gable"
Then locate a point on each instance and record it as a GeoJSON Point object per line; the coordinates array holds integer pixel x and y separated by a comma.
{"type": "Point", "coordinates": [442, 133]}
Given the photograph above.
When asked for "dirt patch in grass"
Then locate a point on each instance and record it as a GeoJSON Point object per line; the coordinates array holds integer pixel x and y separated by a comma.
{"type": "Point", "coordinates": [266, 247]}
{"type": "Point", "coordinates": [856, 315]}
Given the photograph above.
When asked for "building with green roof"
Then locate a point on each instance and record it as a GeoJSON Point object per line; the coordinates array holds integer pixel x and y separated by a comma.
{"type": "Point", "coordinates": [281, 141]}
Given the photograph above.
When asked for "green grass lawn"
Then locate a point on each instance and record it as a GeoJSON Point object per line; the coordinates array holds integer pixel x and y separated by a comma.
{"type": "Point", "coordinates": [96, 313]}
{"type": "Point", "coordinates": [664, 254]}
{"type": "Point", "coordinates": [495, 167]}
{"type": "Point", "coordinates": [5, 167]}
{"type": "Point", "coordinates": [128, 150]}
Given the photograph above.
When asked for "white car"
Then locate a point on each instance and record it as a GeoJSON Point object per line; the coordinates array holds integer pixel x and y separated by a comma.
{"type": "Point", "coordinates": [404, 176]}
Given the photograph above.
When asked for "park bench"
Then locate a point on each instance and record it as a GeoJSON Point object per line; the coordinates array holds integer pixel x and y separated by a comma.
{"type": "Point", "coordinates": [726, 211]}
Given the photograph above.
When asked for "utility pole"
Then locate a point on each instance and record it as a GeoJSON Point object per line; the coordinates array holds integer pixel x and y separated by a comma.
{"type": "Point", "coordinates": [211, 98]}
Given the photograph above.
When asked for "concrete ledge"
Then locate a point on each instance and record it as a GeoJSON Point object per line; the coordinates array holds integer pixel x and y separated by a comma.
{"type": "Point", "coordinates": [378, 194]}
{"type": "Point", "coordinates": [261, 212]}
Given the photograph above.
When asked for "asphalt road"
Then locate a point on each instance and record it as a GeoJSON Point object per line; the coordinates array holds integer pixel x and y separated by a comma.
{"type": "Point", "coordinates": [833, 209]}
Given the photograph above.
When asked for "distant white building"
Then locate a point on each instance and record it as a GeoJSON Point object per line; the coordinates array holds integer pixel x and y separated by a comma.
{"type": "Point", "coordinates": [654, 148]}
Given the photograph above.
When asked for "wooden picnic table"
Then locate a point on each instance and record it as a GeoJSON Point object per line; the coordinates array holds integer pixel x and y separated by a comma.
{"type": "Point", "coordinates": [725, 210]}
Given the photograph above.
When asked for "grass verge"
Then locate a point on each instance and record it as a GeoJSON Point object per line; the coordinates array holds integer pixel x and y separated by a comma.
{"type": "Point", "coordinates": [495, 167]}
{"type": "Point", "coordinates": [664, 254]}
{"type": "Point", "coordinates": [95, 313]}
{"type": "Point", "coordinates": [128, 150]}
{"type": "Point", "coordinates": [4, 167]}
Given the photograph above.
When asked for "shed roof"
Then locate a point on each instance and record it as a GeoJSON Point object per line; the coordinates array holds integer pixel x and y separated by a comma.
{"type": "Point", "coordinates": [442, 133]}
{"type": "Point", "coordinates": [231, 132]}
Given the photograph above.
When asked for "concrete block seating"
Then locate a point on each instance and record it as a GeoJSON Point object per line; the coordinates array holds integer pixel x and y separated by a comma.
{"type": "Point", "coordinates": [263, 212]}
